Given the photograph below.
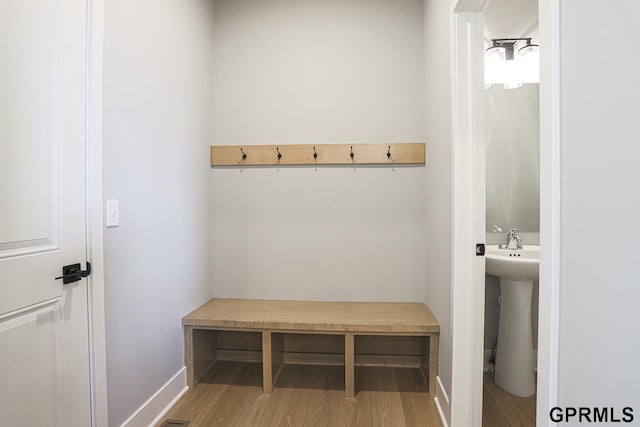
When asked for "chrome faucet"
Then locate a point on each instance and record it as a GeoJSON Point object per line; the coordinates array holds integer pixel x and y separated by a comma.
{"type": "Point", "coordinates": [514, 241]}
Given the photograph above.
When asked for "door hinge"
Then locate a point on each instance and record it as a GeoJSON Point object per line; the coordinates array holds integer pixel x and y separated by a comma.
{"type": "Point", "coordinates": [72, 273]}
{"type": "Point", "coordinates": [479, 249]}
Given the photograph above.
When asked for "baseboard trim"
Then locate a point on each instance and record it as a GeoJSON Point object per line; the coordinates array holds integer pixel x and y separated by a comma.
{"type": "Point", "coordinates": [152, 411]}
{"type": "Point", "coordinates": [442, 403]}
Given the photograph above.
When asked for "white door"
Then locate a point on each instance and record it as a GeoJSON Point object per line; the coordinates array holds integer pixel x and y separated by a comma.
{"type": "Point", "coordinates": [44, 349]}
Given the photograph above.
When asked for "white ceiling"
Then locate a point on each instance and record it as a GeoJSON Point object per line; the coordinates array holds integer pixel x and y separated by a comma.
{"type": "Point", "coordinates": [511, 19]}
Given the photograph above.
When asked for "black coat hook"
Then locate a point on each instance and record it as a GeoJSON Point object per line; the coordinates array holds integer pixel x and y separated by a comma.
{"type": "Point", "coordinates": [351, 154]}
{"type": "Point", "coordinates": [244, 156]}
{"type": "Point", "coordinates": [279, 155]}
{"type": "Point", "coordinates": [315, 155]}
{"type": "Point", "coordinates": [389, 152]}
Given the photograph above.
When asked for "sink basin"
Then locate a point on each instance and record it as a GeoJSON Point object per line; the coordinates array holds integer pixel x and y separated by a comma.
{"type": "Point", "coordinates": [519, 264]}
{"type": "Point", "coordinates": [517, 270]}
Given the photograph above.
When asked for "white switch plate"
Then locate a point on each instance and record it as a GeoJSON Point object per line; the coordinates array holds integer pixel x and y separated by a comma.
{"type": "Point", "coordinates": [113, 213]}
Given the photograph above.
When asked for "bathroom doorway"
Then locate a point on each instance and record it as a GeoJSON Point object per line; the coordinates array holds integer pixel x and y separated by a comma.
{"type": "Point", "coordinates": [469, 170]}
{"type": "Point", "coordinates": [512, 126]}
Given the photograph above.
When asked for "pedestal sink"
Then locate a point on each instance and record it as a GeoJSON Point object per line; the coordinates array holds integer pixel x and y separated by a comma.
{"type": "Point", "coordinates": [517, 270]}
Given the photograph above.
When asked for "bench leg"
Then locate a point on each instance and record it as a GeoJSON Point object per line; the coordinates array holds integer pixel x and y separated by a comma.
{"type": "Point", "coordinates": [267, 373]}
{"type": "Point", "coordinates": [188, 355]}
{"type": "Point", "coordinates": [272, 359]}
{"type": "Point", "coordinates": [429, 362]}
{"type": "Point", "coordinates": [433, 364]}
{"type": "Point", "coordinates": [200, 352]}
{"type": "Point", "coordinates": [349, 362]}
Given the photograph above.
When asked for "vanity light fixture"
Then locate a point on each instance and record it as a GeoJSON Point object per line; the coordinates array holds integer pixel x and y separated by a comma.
{"type": "Point", "coordinates": [502, 65]}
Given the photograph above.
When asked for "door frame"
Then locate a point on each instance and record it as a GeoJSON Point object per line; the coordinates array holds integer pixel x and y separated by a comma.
{"type": "Point", "coordinates": [467, 311]}
{"type": "Point", "coordinates": [550, 209]}
{"type": "Point", "coordinates": [468, 142]}
{"type": "Point", "coordinates": [94, 209]}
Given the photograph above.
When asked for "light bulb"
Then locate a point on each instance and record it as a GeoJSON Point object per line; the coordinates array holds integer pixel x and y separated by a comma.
{"type": "Point", "coordinates": [494, 62]}
{"type": "Point", "coordinates": [529, 49]}
{"type": "Point", "coordinates": [496, 53]}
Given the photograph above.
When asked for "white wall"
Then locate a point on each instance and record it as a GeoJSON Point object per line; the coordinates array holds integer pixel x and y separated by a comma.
{"type": "Point", "coordinates": [599, 288]}
{"type": "Point", "coordinates": [438, 184]}
{"type": "Point", "coordinates": [513, 182]}
{"type": "Point", "coordinates": [314, 71]}
{"type": "Point", "coordinates": [513, 158]}
{"type": "Point", "coordinates": [157, 110]}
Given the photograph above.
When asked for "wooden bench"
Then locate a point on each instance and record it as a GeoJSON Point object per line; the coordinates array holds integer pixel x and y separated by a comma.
{"type": "Point", "coordinates": [272, 321]}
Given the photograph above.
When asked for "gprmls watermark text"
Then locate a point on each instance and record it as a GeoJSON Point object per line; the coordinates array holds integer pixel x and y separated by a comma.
{"type": "Point", "coordinates": [591, 415]}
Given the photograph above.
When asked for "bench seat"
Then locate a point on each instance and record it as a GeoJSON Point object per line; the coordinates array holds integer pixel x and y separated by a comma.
{"type": "Point", "coordinates": [273, 319]}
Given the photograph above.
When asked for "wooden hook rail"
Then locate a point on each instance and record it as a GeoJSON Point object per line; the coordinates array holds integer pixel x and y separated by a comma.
{"type": "Point", "coordinates": [318, 154]}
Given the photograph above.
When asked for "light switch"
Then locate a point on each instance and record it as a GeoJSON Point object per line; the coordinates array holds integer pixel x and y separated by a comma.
{"type": "Point", "coordinates": [113, 213]}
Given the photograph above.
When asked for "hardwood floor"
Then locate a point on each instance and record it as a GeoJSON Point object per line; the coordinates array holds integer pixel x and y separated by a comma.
{"type": "Point", "coordinates": [500, 408]}
{"type": "Point", "coordinates": [230, 394]}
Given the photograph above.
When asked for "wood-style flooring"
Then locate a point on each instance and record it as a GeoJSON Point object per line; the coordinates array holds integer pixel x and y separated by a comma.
{"type": "Point", "coordinates": [500, 408]}
{"type": "Point", "coordinates": [230, 394]}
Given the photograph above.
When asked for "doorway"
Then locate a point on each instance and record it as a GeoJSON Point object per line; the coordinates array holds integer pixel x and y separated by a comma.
{"type": "Point", "coordinates": [469, 210]}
